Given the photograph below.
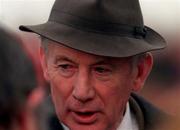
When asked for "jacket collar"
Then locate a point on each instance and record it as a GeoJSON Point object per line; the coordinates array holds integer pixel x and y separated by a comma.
{"type": "Point", "coordinates": [136, 110]}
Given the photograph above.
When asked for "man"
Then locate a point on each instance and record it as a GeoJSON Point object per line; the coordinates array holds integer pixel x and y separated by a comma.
{"type": "Point", "coordinates": [95, 54]}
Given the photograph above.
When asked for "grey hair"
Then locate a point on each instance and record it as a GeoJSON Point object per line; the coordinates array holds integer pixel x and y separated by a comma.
{"type": "Point", "coordinates": [44, 43]}
{"type": "Point", "coordinates": [137, 58]}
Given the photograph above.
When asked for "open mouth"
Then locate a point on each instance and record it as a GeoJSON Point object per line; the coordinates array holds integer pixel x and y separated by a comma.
{"type": "Point", "coordinates": [85, 117]}
{"type": "Point", "coordinates": [85, 114]}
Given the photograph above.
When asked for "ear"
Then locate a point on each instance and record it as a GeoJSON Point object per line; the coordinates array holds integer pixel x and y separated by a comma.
{"type": "Point", "coordinates": [43, 61]}
{"type": "Point", "coordinates": [143, 68]}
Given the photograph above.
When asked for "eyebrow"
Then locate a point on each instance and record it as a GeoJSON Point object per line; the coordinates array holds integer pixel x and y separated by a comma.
{"type": "Point", "coordinates": [103, 62]}
{"type": "Point", "coordinates": [62, 58]}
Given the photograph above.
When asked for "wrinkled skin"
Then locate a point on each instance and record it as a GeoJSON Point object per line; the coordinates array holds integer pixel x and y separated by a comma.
{"type": "Point", "coordinates": [91, 92]}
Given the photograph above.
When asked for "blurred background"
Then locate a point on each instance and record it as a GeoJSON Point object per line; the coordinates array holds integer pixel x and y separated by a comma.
{"type": "Point", "coordinates": [163, 85]}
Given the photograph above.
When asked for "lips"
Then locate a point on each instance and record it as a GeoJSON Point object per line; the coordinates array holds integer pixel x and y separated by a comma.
{"type": "Point", "coordinates": [85, 117]}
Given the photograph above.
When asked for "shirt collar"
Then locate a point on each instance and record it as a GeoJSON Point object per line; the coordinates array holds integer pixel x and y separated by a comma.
{"type": "Point", "coordinates": [129, 121]}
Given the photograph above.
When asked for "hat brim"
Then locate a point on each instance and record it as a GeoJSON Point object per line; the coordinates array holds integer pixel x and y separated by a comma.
{"type": "Point", "coordinates": [95, 43]}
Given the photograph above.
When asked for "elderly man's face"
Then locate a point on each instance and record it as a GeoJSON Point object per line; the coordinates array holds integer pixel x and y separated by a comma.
{"type": "Point", "coordinates": [89, 92]}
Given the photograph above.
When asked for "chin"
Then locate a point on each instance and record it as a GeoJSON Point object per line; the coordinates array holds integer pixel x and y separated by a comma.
{"type": "Point", "coordinates": [87, 127]}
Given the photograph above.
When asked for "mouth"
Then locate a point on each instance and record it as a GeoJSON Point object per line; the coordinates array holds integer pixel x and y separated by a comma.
{"type": "Point", "coordinates": [87, 117]}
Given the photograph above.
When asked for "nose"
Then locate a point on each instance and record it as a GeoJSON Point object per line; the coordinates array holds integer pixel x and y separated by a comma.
{"type": "Point", "coordinates": [83, 90]}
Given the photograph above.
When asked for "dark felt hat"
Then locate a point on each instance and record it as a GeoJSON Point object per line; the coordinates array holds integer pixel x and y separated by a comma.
{"type": "Point", "coordinates": [102, 27]}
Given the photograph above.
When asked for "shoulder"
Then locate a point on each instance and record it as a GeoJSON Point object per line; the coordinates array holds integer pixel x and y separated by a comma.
{"type": "Point", "coordinates": [148, 114]}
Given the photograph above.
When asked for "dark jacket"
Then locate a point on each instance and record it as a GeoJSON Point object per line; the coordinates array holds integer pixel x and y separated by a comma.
{"type": "Point", "coordinates": [148, 116]}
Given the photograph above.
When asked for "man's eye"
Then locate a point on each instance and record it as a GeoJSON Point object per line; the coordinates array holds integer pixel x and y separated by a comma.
{"type": "Point", "coordinates": [65, 66]}
{"type": "Point", "coordinates": [103, 73]}
{"type": "Point", "coordinates": [102, 70]}
{"type": "Point", "coordinates": [66, 70]}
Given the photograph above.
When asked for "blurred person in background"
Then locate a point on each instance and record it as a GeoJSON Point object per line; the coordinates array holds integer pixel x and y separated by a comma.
{"type": "Point", "coordinates": [23, 92]}
{"type": "Point", "coordinates": [17, 85]}
{"type": "Point", "coordinates": [45, 112]}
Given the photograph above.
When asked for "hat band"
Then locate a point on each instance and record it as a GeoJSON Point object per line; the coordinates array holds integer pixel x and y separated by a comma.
{"type": "Point", "coordinates": [98, 27]}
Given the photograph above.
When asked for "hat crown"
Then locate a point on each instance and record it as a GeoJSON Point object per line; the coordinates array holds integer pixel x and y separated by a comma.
{"type": "Point", "coordinates": [124, 12]}
{"type": "Point", "coordinates": [112, 28]}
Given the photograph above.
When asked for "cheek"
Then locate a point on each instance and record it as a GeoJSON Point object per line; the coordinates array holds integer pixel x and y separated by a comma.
{"type": "Point", "coordinates": [60, 91]}
{"type": "Point", "coordinates": [60, 87]}
{"type": "Point", "coordinates": [114, 94]}
{"type": "Point", "coordinates": [117, 89]}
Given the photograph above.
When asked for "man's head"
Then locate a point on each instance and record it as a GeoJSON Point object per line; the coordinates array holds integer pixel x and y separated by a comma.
{"type": "Point", "coordinates": [96, 56]}
{"type": "Point", "coordinates": [90, 92]}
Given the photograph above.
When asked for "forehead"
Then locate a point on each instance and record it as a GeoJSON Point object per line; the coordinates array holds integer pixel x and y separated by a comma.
{"type": "Point", "coordinates": [57, 51]}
